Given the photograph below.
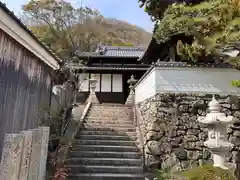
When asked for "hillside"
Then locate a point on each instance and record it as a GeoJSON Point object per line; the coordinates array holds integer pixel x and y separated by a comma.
{"type": "Point", "coordinates": [67, 29]}
{"type": "Point", "coordinates": [121, 32]}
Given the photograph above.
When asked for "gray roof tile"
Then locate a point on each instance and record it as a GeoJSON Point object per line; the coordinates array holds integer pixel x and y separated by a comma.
{"type": "Point", "coordinates": [120, 51]}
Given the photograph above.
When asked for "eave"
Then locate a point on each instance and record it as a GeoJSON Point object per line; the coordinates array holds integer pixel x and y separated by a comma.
{"type": "Point", "coordinates": [13, 26]}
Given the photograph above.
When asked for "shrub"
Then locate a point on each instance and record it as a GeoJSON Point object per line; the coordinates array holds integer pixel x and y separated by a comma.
{"type": "Point", "coordinates": [208, 172]}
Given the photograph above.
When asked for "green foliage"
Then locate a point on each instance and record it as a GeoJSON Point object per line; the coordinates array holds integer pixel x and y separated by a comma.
{"type": "Point", "coordinates": [208, 172]}
{"type": "Point", "coordinates": [214, 25]}
{"type": "Point", "coordinates": [164, 174]}
{"type": "Point", "coordinates": [236, 83]}
{"type": "Point", "coordinates": [123, 44]}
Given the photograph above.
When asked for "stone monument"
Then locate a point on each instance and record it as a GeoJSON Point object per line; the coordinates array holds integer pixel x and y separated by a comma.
{"type": "Point", "coordinates": [217, 133]}
{"type": "Point", "coordinates": [44, 151]}
{"type": "Point", "coordinates": [11, 157]}
{"type": "Point", "coordinates": [26, 151]}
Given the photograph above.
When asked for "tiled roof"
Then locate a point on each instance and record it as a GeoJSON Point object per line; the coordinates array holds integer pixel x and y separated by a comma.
{"type": "Point", "coordinates": [115, 51]}
{"type": "Point", "coordinates": [122, 51]}
{"type": "Point", "coordinates": [121, 68]}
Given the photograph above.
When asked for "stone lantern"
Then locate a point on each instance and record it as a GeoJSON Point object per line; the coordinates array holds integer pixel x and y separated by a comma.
{"type": "Point", "coordinates": [93, 84]}
{"type": "Point", "coordinates": [217, 133]}
{"type": "Point", "coordinates": [132, 81]}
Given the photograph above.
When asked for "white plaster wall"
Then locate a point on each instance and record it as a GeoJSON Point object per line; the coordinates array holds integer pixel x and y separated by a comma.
{"type": "Point", "coordinates": [106, 83]}
{"type": "Point", "coordinates": [117, 83]}
{"type": "Point", "coordinates": [146, 87]}
{"type": "Point", "coordinates": [97, 76]}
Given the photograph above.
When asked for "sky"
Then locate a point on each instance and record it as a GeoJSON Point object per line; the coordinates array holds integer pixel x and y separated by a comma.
{"type": "Point", "coordinates": [127, 10]}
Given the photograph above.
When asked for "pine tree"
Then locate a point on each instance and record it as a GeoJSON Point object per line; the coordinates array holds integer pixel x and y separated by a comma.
{"type": "Point", "coordinates": [213, 24]}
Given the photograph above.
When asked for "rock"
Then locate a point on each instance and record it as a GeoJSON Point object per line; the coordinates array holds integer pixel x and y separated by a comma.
{"type": "Point", "coordinates": [183, 108]}
{"type": "Point", "coordinates": [190, 138]}
{"type": "Point", "coordinates": [189, 145]}
{"type": "Point", "coordinates": [194, 155]}
{"type": "Point", "coordinates": [202, 136]}
{"type": "Point", "coordinates": [235, 140]}
{"type": "Point", "coordinates": [170, 163]}
{"type": "Point", "coordinates": [154, 147]}
{"type": "Point", "coordinates": [236, 133]}
{"type": "Point", "coordinates": [153, 135]}
{"type": "Point", "coordinates": [206, 155]}
{"type": "Point", "coordinates": [154, 126]}
{"type": "Point", "coordinates": [176, 142]}
{"type": "Point", "coordinates": [236, 114]}
{"type": "Point", "coordinates": [172, 132]}
{"type": "Point", "coordinates": [193, 131]}
{"type": "Point", "coordinates": [181, 133]}
{"type": "Point", "coordinates": [181, 154]}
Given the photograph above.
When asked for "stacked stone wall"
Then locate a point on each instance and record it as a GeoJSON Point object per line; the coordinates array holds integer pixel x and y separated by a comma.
{"type": "Point", "coordinates": [174, 138]}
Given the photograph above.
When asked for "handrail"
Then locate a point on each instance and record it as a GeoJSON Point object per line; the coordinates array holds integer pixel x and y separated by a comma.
{"type": "Point", "coordinates": [85, 111]}
{"type": "Point", "coordinates": [137, 118]}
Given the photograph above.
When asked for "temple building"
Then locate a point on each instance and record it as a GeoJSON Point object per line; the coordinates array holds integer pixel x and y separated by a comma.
{"type": "Point", "coordinates": [112, 66]}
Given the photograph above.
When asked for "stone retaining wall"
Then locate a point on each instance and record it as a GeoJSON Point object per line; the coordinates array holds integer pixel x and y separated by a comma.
{"type": "Point", "coordinates": [173, 137]}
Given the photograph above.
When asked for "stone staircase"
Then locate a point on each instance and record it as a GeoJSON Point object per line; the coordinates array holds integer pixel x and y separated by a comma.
{"type": "Point", "coordinates": [105, 148]}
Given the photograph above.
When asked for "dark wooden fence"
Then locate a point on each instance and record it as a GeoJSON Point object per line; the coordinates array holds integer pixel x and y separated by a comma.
{"type": "Point", "coordinates": [25, 87]}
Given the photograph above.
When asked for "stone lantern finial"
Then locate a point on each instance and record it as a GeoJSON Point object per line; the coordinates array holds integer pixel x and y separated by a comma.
{"type": "Point", "coordinates": [214, 105]}
{"type": "Point", "coordinates": [132, 81]}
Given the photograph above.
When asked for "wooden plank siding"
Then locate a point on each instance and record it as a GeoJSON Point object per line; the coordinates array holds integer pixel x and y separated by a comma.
{"type": "Point", "coordinates": [25, 87]}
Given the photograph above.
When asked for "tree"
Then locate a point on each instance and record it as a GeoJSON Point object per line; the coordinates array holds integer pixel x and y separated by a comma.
{"type": "Point", "coordinates": [62, 27]}
{"type": "Point", "coordinates": [214, 26]}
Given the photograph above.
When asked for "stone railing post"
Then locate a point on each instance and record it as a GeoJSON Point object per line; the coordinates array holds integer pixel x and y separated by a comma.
{"type": "Point", "coordinates": [130, 100]}
{"type": "Point", "coordinates": [217, 133]}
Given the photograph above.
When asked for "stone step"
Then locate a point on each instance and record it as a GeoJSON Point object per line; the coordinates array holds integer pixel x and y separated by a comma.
{"type": "Point", "coordinates": [111, 105]}
{"type": "Point", "coordinates": [104, 161]}
{"type": "Point", "coordinates": [104, 142]}
{"type": "Point", "coordinates": [105, 176]}
{"type": "Point", "coordinates": [116, 129]}
{"type": "Point", "coordinates": [104, 154]}
{"type": "Point", "coordinates": [75, 169]}
{"type": "Point", "coordinates": [104, 125]}
{"type": "Point", "coordinates": [105, 137]}
{"type": "Point", "coordinates": [108, 120]}
{"type": "Point", "coordinates": [105, 148]}
{"type": "Point", "coordinates": [111, 117]}
{"type": "Point", "coordinates": [113, 133]}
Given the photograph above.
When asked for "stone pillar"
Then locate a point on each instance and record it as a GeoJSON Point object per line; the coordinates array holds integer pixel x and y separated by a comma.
{"type": "Point", "coordinates": [130, 100]}
{"type": "Point", "coordinates": [26, 152]}
{"type": "Point", "coordinates": [217, 133]}
{"type": "Point", "coordinates": [44, 151]}
{"type": "Point", "coordinates": [35, 155]}
{"type": "Point", "coordinates": [11, 156]}
{"type": "Point", "coordinates": [92, 96]}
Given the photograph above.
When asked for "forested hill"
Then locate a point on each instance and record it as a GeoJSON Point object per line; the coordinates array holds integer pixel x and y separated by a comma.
{"type": "Point", "coordinates": [123, 33]}
{"type": "Point", "coordinates": [67, 29]}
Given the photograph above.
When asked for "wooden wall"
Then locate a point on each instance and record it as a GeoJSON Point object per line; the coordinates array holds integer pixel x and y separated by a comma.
{"type": "Point", "coordinates": [25, 87]}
